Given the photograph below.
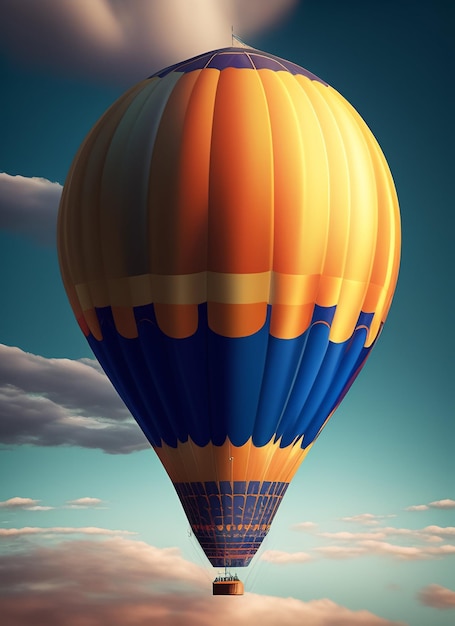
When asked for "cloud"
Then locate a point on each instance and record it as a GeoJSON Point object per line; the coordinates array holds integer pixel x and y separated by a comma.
{"type": "Point", "coordinates": [443, 504]}
{"type": "Point", "coordinates": [84, 503]}
{"type": "Point", "coordinates": [438, 504]}
{"type": "Point", "coordinates": [437, 597]}
{"type": "Point", "coordinates": [383, 548]}
{"type": "Point", "coordinates": [417, 507]}
{"type": "Point", "coordinates": [347, 536]}
{"type": "Point", "coordinates": [372, 543]}
{"type": "Point", "coordinates": [429, 533]}
{"type": "Point", "coordinates": [305, 526]}
{"type": "Point", "coordinates": [441, 531]}
{"type": "Point", "coordinates": [127, 40]}
{"type": "Point", "coordinates": [29, 206]}
{"type": "Point", "coordinates": [285, 558]}
{"type": "Point", "coordinates": [52, 402]}
{"type": "Point", "coordinates": [27, 504]}
{"type": "Point", "coordinates": [366, 518]}
{"type": "Point", "coordinates": [119, 581]}
{"type": "Point", "coordinates": [430, 542]}
{"type": "Point", "coordinates": [407, 553]}
{"type": "Point", "coordinates": [340, 552]}
{"type": "Point", "coordinates": [60, 530]}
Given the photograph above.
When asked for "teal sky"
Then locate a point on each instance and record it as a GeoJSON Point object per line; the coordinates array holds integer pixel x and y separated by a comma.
{"type": "Point", "coordinates": [389, 447]}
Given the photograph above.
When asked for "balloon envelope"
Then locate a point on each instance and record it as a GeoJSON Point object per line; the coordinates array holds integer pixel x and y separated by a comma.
{"type": "Point", "coordinates": [229, 241]}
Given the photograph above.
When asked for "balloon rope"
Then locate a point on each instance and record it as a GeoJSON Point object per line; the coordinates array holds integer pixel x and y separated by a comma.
{"type": "Point", "coordinates": [198, 553]}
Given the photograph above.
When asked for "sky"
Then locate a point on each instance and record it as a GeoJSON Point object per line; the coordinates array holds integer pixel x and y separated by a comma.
{"type": "Point", "coordinates": [366, 533]}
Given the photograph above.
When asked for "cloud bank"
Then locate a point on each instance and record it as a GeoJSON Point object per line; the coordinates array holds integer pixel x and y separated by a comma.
{"type": "Point", "coordinates": [429, 542]}
{"type": "Point", "coordinates": [54, 402]}
{"type": "Point", "coordinates": [127, 40]}
{"type": "Point", "coordinates": [384, 548]}
{"type": "Point", "coordinates": [280, 557]}
{"type": "Point", "coordinates": [119, 581]}
{"type": "Point", "coordinates": [60, 530]}
{"type": "Point", "coordinates": [29, 206]}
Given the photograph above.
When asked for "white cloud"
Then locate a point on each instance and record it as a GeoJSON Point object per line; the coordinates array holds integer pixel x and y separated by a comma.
{"type": "Point", "coordinates": [437, 597]}
{"type": "Point", "coordinates": [50, 402]}
{"type": "Point", "coordinates": [27, 504]}
{"type": "Point", "coordinates": [127, 39]}
{"type": "Point", "coordinates": [72, 583]}
{"type": "Point", "coordinates": [285, 558]}
{"type": "Point", "coordinates": [29, 206]}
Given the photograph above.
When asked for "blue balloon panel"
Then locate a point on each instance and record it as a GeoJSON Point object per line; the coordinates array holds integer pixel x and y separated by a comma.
{"type": "Point", "coordinates": [209, 387]}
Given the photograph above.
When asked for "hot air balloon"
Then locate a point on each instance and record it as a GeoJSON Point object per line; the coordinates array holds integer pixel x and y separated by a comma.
{"type": "Point", "coordinates": [229, 241]}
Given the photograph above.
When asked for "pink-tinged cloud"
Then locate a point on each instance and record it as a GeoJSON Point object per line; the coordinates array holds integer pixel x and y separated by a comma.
{"type": "Point", "coordinates": [29, 207]}
{"type": "Point", "coordinates": [370, 547]}
{"type": "Point", "coordinates": [54, 402]}
{"type": "Point", "coordinates": [305, 526]}
{"type": "Point", "coordinates": [340, 552]}
{"type": "Point", "coordinates": [25, 504]}
{"type": "Point", "coordinates": [441, 531]}
{"type": "Point", "coordinates": [127, 40]}
{"type": "Point", "coordinates": [347, 536]}
{"type": "Point", "coordinates": [437, 597]}
{"type": "Point", "coordinates": [285, 558]}
{"type": "Point", "coordinates": [443, 504]}
{"type": "Point", "coordinates": [373, 543]}
{"type": "Point", "coordinates": [18, 503]}
{"type": "Point", "coordinates": [447, 503]}
{"type": "Point", "coordinates": [430, 534]}
{"type": "Point", "coordinates": [417, 507]}
{"type": "Point", "coordinates": [60, 530]}
{"type": "Point", "coordinates": [406, 553]}
{"type": "Point", "coordinates": [367, 519]}
{"type": "Point", "coordinates": [85, 503]}
{"type": "Point", "coordinates": [123, 582]}
{"type": "Point", "coordinates": [29, 504]}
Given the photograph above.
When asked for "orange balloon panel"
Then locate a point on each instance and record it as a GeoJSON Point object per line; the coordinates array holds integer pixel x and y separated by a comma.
{"type": "Point", "coordinates": [258, 174]}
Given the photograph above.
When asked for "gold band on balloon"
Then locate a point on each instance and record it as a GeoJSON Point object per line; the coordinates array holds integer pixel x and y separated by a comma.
{"type": "Point", "coordinates": [236, 302]}
{"type": "Point", "coordinates": [191, 463]}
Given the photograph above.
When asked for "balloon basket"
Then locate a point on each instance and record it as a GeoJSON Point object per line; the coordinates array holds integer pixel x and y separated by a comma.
{"type": "Point", "coordinates": [228, 585]}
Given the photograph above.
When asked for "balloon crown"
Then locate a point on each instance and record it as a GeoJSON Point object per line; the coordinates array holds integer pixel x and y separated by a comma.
{"type": "Point", "coordinates": [235, 57]}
